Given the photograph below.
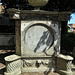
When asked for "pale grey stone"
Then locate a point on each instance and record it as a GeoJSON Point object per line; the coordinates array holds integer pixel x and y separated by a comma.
{"type": "Point", "coordinates": [12, 58]}
{"type": "Point", "coordinates": [65, 57]}
{"type": "Point", "coordinates": [62, 72]}
{"type": "Point", "coordinates": [38, 38]}
{"type": "Point", "coordinates": [37, 65]}
{"type": "Point", "coordinates": [13, 65]}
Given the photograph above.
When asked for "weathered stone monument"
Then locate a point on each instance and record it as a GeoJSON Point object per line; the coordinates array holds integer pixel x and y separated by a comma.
{"type": "Point", "coordinates": [37, 42]}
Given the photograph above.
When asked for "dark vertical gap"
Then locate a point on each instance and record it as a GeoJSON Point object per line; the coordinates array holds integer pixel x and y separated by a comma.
{"type": "Point", "coordinates": [63, 27]}
{"type": "Point", "coordinates": [63, 34]}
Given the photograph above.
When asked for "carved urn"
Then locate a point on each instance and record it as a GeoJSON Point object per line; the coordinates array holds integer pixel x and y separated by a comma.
{"type": "Point", "coordinates": [38, 3]}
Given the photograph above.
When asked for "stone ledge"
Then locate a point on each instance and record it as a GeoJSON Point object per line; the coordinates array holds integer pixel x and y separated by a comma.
{"type": "Point", "coordinates": [66, 57]}
{"type": "Point", "coordinates": [12, 58]}
{"type": "Point", "coordinates": [35, 73]}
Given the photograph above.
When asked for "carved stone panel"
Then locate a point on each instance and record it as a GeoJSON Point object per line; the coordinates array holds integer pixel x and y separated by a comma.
{"type": "Point", "coordinates": [38, 38]}
{"type": "Point", "coordinates": [37, 65]}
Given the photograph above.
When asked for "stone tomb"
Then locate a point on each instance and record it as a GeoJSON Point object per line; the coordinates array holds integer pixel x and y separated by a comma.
{"type": "Point", "coordinates": [37, 42]}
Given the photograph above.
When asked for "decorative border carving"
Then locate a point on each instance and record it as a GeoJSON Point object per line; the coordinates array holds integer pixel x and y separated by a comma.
{"type": "Point", "coordinates": [35, 15]}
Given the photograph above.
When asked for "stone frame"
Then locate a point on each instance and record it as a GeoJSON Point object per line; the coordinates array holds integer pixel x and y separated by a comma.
{"type": "Point", "coordinates": [25, 47]}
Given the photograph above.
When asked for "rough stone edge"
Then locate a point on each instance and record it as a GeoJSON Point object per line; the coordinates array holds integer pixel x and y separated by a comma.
{"type": "Point", "coordinates": [62, 72]}
{"type": "Point", "coordinates": [16, 72]}
{"type": "Point", "coordinates": [65, 57]}
{"type": "Point", "coordinates": [12, 56]}
{"type": "Point", "coordinates": [40, 70]}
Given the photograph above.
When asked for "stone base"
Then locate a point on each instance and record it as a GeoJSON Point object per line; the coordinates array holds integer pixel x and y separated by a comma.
{"type": "Point", "coordinates": [62, 72]}
{"type": "Point", "coordinates": [35, 73]}
{"type": "Point", "coordinates": [16, 72]}
{"type": "Point", "coordinates": [42, 69]}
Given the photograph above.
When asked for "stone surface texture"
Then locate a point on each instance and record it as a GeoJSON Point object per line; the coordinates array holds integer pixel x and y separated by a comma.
{"type": "Point", "coordinates": [35, 73]}
{"type": "Point", "coordinates": [14, 65]}
{"type": "Point", "coordinates": [37, 42]}
{"type": "Point", "coordinates": [39, 38]}
{"type": "Point", "coordinates": [37, 65]}
{"type": "Point", "coordinates": [64, 64]}
{"type": "Point", "coordinates": [37, 3]}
